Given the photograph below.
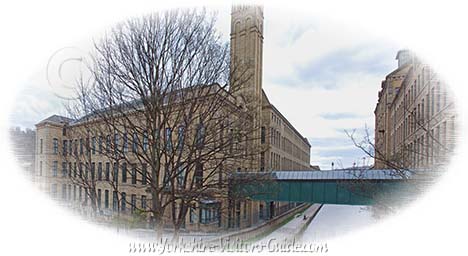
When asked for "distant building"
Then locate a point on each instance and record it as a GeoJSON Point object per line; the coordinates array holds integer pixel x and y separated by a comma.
{"type": "Point", "coordinates": [24, 144]}
{"type": "Point", "coordinates": [415, 119]}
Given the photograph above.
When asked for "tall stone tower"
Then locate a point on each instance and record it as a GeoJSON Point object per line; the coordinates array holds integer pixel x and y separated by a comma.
{"type": "Point", "coordinates": [246, 72]}
{"type": "Point", "coordinates": [247, 51]}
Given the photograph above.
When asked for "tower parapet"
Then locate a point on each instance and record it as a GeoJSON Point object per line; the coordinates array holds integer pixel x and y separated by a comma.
{"type": "Point", "coordinates": [247, 51]}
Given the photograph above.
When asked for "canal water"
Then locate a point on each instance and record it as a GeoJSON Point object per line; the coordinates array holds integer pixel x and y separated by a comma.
{"type": "Point", "coordinates": [333, 221]}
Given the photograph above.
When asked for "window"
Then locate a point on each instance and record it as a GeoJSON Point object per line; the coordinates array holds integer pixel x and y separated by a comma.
{"type": "Point", "coordinates": [93, 166]}
{"type": "Point", "coordinates": [124, 172]}
{"type": "Point", "coordinates": [40, 168]}
{"type": "Point", "coordinates": [125, 143]}
{"type": "Point", "coordinates": [108, 144]}
{"type": "Point", "coordinates": [423, 116]}
{"type": "Point", "coordinates": [54, 168]}
{"type": "Point", "coordinates": [181, 137]}
{"type": "Point", "coordinates": [167, 177]}
{"type": "Point", "coordinates": [64, 169]}
{"type": "Point", "coordinates": [156, 137]}
{"type": "Point", "coordinates": [244, 213]}
{"type": "Point", "coordinates": [106, 199]}
{"type": "Point", "coordinates": [432, 101]}
{"type": "Point", "coordinates": [70, 147]}
{"type": "Point", "coordinates": [87, 146]}
{"type": "Point", "coordinates": [198, 175]}
{"type": "Point", "coordinates": [64, 131]}
{"type": "Point", "coordinates": [99, 169]}
{"type": "Point", "coordinates": [143, 202]}
{"type": "Point", "coordinates": [209, 213]}
{"type": "Point", "coordinates": [55, 146]}
{"type": "Point", "coordinates": [74, 170]}
{"type": "Point", "coordinates": [53, 190]}
{"type": "Point", "coordinates": [65, 147]}
{"type": "Point", "coordinates": [99, 198]}
{"type": "Point", "coordinates": [193, 215]}
{"type": "Point", "coordinates": [135, 142]}
{"type": "Point", "coordinates": [41, 146]}
{"type": "Point", "coordinates": [220, 176]}
{"type": "Point", "coordinates": [168, 139]}
{"type": "Point", "coordinates": [133, 203]}
{"type": "Point", "coordinates": [181, 176]}
{"type": "Point", "coordinates": [69, 169]}
{"type": "Point", "coordinates": [115, 175]}
{"type": "Point", "coordinates": [123, 202]}
{"type": "Point", "coordinates": [86, 196]}
{"type": "Point", "coordinates": [145, 141]}
{"type": "Point", "coordinates": [200, 137]}
{"type": "Point", "coordinates": [115, 201]}
{"type": "Point", "coordinates": [107, 171]}
{"type": "Point", "coordinates": [116, 143]}
{"type": "Point", "coordinates": [262, 161]}
{"type": "Point", "coordinates": [134, 173]}
{"type": "Point", "coordinates": [263, 134]}
{"type": "Point", "coordinates": [272, 137]}
{"type": "Point", "coordinates": [74, 192]}
{"type": "Point", "coordinates": [100, 145]}
{"type": "Point", "coordinates": [80, 196]}
{"type": "Point", "coordinates": [93, 145]}
{"type": "Point", "coordinates": [81, 146]}
{"type": "Point", "coordinates": [76, 147]}
{"type": "Point", "coordinates": [144, 174]}
{"type": "Point", "coordinates": [64, 191]}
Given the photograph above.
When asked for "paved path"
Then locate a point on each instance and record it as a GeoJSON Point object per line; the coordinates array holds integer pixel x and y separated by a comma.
{"type": "Point", "coordinates": [294, 226]}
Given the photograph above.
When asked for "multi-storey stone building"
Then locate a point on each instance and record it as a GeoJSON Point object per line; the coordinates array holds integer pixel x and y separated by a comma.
{"type": "Point", "coordinates": [415, 119]}
{"type": "Point", "coordinates": [284, 147]}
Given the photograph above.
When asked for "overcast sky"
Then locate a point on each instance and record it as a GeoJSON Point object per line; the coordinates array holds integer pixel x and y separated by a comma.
{"type": "Point", "coordinates": [324, 77]}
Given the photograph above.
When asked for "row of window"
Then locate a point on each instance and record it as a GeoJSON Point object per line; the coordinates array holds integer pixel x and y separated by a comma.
{"type": "Point", "coordinates": [86, 172]}
{"type": "Point", "coordinates": [409, 121]}
{"type": "Point", "coordinates": [431, 146]}
{"type": "Point", "coordinates": [206, 214]}
{"type": "Point", "coordinates": [285, 144]}
{"type": "Point", "coordinates": [117, 143]}
{"type": "Point", "coordinates": [281, 163]}
{"type": "Point", "coordinates": [119, 200]}
{"type": "Point", "coordinates": [275, 119]}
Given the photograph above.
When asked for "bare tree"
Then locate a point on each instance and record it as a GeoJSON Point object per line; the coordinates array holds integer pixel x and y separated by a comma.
{"type": "Point", "coordinates": [78, 156]}
{"type": "Point", "coordinates": [163, 100]}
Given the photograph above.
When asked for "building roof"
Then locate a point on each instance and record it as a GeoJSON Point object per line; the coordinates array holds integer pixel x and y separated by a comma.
{"type": "Point", "coordinates": [383, 174]}
{"type": "Point", "coordinates": [56, 119]}
{"type": "Point", "coordinates": [137, 104]}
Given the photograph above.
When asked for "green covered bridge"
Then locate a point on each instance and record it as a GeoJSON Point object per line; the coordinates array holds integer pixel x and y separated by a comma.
{"type": "Point", "coordinates": [351, 187]}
